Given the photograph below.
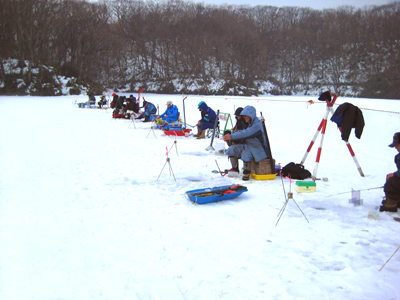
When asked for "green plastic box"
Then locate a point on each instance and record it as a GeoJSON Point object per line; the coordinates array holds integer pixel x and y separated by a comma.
{"type": "Point", "coordinates": [306, 186]}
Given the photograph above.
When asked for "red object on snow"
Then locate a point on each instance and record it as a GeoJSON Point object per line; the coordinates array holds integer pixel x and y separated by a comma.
{"type": "Point", "coordinates": [178, 132]}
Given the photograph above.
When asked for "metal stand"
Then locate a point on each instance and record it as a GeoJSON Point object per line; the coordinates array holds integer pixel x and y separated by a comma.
{"type": "Point", "coordinates": [322, 129]}
{"type": "Point", "coordinates": [176, 147]}
{"type": "Point", "coordinates": [290, 196]}
{"type": "Point", "coordinates": [151, 130]}
{"type": "Point", "coordinates": [132, 121]}
{"type": "Point", "coordinates": [211, 148]}
{"type": "Point", "coordinates": [170, 168]}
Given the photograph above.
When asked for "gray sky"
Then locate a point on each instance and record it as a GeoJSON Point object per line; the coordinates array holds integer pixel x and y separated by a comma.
{"type": "Point", "coordinates": [316, 4]}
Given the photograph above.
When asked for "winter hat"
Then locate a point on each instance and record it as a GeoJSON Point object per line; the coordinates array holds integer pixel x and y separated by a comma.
{"type": "Point", "coordinates": [114, 94]}
{"type": "Point", "coordinates": [144, 102]}
{"type": "Point", "coordinates": [169, 103]}
{"type": "Point", "coordinates": [325, 96]}
{"type": "Point", "coordinates": [396, 140]}
{"type": "Point", "coordinates": [238, 111]}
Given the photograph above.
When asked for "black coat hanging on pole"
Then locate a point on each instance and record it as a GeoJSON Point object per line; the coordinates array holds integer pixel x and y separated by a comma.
{"type": "Point", "coordinates": [348, 116]}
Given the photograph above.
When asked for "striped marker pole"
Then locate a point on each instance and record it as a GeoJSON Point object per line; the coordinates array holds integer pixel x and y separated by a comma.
{"type": "Point", "coordinates": [353, 155]}
{"type": "Point", "coordinates": [322, 129]}
{"type": "Point", "coordinates": [315, 136]}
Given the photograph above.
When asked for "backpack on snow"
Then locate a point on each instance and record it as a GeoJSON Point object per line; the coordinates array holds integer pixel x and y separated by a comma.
{"type": "Point", "coordinates": [295, 171]}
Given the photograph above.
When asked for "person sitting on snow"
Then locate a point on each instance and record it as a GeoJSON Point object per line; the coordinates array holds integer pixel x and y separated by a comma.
{"type": "Point", "coordinates": [92, 99]}
{"type": "Point", "coordinates": [129, 107]}
{"type": "Point", "coordinates": [102, 101]}
{"type": "Point", "coordinates": [149, 109]}
{"type": "Point", "coordinates": [255, 144]}
{"type": "Point", "coordinates": [392, 185]}
{"type": "Point", "coordinates": [169, 116]}
{"type": "Point", "coordinates": [114, 100]}
{"type": "Point", "coordinates": [207, 120]}
{"type": "Point", "coordinates": [134, 105]}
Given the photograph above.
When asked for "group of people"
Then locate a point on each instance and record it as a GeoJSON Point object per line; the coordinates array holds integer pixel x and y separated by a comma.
{"type": "Point", "coordinates": [248, 140]}
{"type": "Point", "coordinates": [124, 106]}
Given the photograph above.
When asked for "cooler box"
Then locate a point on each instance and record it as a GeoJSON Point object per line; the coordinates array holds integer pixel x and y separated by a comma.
{"type": "Point", "coordinates": [305, 186]}
{"type": "Point", "coordinates": [175, 126]}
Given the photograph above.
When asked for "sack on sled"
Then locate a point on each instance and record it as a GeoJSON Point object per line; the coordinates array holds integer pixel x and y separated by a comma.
{"type": "Point", "coordinates": [295, 171]}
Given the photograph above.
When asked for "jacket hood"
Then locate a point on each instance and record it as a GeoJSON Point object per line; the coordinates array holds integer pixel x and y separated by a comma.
{"type": "Point", "coordinates": [249, 111]}
{"type": "Point", "coordinates": [203, 106]}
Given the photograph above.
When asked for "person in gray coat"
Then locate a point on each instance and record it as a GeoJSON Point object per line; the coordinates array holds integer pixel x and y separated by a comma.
{"type": "Point", "coordinates": [255, 143]}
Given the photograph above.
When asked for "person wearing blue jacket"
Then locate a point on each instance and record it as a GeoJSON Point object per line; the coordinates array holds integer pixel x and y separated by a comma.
{"type": "Point", "coordinates": [207, 120]}
{"type": "Point", "coordinates": [392, 185]}
{"type": "Point", "coordinates": [171, 114]}
{"type": "Point", "coordinates": [255, 143]}
{"type": "Point", "coordinates": [149, 109]}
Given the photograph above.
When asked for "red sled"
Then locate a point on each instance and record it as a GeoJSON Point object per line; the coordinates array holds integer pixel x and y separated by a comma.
{"type": "Point", "coordinates": [184, 132]}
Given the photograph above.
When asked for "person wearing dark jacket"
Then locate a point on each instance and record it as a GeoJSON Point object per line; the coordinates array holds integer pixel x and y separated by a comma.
{"type": "Point", "coordinates": [348, 116]}
{"type": "Point", "coordinates": [102, 101]}
{"type": "Point", "coordinates": [392, 185]}
{"type": "Point", "coordinates": [133, 104]}
{"type": "Point", "coordinates": [114, 100]}
{"type": "Point", "coordinates": [240, 125]}
{"type": "Point", "coordinates": [207, 120]}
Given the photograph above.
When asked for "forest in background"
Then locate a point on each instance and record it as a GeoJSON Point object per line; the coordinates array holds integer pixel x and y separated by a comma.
{"type": "Point", "coordinates": [176, 46]}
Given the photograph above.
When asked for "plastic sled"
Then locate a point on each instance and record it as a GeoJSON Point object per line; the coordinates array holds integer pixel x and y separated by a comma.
{"type": "Point", "coordinates": [215, 194]}
{"type": "Point", "coordinates": [178, 132]}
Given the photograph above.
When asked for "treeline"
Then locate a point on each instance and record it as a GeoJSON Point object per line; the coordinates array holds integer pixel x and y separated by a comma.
{"type": "Point", "coordinates": [180, 47]}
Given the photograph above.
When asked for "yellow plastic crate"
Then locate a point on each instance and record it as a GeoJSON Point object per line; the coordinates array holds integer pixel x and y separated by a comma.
{"type": "Point", "coordinates": [263, 177]}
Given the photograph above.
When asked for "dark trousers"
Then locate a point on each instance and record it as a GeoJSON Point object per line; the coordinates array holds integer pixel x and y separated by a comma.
{"type": "Point", "coordinates": [392, 188]}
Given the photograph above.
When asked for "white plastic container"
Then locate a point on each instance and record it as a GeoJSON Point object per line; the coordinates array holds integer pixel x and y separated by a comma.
{"type": "Point", "coordinates": [220, 148]}
{"type": "Point", "coordinates": [373, 212]}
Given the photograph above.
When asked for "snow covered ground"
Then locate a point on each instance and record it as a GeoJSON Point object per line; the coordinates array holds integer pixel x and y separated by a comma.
{"type": "Point", "coordinates": [83, 215]}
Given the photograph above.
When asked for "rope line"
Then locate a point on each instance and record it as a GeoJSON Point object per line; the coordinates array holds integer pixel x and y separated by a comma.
{"type": "Point", "coordinates": [300, 101]}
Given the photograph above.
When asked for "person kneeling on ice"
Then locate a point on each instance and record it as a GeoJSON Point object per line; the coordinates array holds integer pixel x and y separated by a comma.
{"type": "Point", "coordinates": [254, 146]}
{"type": "Point", "coordinates": [130, 107]}
{"type": "Point", "coordinates": [149, 109]}
{"type": "Point", "coordinates": [169, 116]}
{"type": "Point", "coordinates": [207, 120]}
{"type": "Point", "coordinates": [392, 185]}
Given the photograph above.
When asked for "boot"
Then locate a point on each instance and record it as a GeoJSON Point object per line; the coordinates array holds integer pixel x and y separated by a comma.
{"type": "Point", "coordinates": [198, 132]}
{"type": "Point", "coordinates": [202, 135]}
{"type": "Point", "coordinates": [235, 164]}
{"type": "Point", "coordinates": [389, 205]}
{"type": "Point", "coordinates": [246, 171]}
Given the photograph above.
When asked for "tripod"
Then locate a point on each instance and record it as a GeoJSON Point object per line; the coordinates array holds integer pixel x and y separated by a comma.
{"type": "Point", "coordinates": [322, 129]}
{"type": "Point", "coordinates": [152, 130]}
{"type": "Point", "coordinates": [290, 196]}
{"type": "Point", "coordinates": [170, 168]}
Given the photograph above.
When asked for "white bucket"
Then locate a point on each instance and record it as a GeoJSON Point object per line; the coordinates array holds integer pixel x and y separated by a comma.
{"type": "Point", "coordinates": [219, 148]}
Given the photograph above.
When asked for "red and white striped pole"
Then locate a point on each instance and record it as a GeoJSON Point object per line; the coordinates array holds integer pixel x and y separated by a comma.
{"type": "Point", "coordinates": [315, 136]}
{"type": "Point", "coordinates": [322, 129]}
{"type": "Point", "coordinates": [353, 155]}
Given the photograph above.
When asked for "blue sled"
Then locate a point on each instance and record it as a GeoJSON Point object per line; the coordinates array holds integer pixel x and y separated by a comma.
{"type": "Point", "coordinates": [200, 196]}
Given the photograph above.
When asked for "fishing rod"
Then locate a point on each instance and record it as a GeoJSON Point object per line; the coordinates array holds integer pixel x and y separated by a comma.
{"type": "Point", "coordinates": [379, 187]}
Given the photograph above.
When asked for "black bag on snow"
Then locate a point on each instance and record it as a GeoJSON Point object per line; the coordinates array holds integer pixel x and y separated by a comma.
{"type": "Point", "coordinates": [295, 171]}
